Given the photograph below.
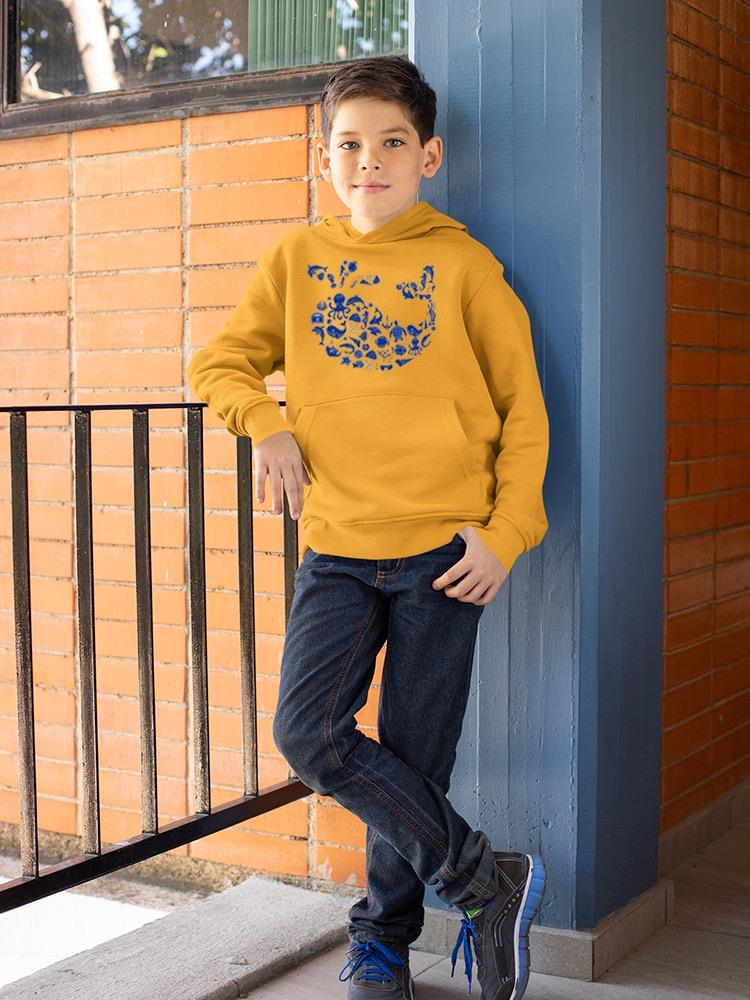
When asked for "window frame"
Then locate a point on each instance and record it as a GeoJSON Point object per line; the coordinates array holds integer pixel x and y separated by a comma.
{"type": "Point", "coordinates": [182, 99]}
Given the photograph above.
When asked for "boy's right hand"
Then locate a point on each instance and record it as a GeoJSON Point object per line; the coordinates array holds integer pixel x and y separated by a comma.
{"type": "Point", "coordinates": [279, 457]}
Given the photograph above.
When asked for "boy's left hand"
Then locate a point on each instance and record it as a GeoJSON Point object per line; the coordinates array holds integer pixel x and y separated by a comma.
{"type": "Point", "coordinates": [483, 573]}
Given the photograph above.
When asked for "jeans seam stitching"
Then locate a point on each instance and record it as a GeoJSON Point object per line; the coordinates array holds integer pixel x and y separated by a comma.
{"type": "Point", "coordinates": [390, 572]}
{"type": "Point", "coordinates": [338, 763]}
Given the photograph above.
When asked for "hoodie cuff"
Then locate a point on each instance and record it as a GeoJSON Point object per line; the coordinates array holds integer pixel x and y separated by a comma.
{"type": "Point", "coordinates": [504, 540]}
{"type": "Point", "coordinates": [261, 420]}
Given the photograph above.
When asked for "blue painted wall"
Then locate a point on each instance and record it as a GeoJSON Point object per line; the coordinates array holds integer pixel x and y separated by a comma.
{"type": "Point", "coordinates": [553, 116]}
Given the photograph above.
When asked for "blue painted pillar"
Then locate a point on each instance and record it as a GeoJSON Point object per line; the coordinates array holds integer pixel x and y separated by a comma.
{"type": "Point", "coordinates": [553, 115]}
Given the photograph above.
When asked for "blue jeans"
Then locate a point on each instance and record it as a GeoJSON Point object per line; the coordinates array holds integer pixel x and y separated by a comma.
{"type": "Point", "coordinates": [342, 612]}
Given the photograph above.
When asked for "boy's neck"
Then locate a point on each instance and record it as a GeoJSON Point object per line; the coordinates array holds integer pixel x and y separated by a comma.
{"type": "Point", "coordinates": [366, 224]}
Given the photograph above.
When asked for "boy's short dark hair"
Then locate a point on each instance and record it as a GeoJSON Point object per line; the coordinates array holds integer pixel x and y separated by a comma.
{"type": "Point", "coordinates": [388, 78]}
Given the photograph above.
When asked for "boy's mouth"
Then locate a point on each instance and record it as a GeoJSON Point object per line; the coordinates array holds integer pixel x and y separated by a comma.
{"type": "Point", "coordinates": [372, 187]}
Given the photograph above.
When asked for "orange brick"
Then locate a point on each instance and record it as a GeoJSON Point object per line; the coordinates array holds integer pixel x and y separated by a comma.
{"type": "Point", "coordinates": [34, 257]}
{"type": "Point", "coordinates": [694, 65]}
{"type": "Point", "coordinates": [254, 124]}
{"type": "Point", "coordinates": [731, 748]}
{"type": "Point", "coordinates": [248, 162]}
{"type": "Point", "coordinates": [734, 679]}
{"type": "Point", "coordinates": [235, 244]}
{"type": "Point", "coordinates": [125, 138]}
{"type": "Point", "coordinates": [731, 646]}
{"type": "Point", "coordinates": [33, 333]}
{"type": "Point", "coordinates": [55, 706]}
{"type": "Point", "coordinates": [56, 815]}
{"type": "Point", "coordinates": [337, 826]}
{"type": "Point", "coordinates": [129, 331]}
{"type": "Point", "coordinates": [129, 291]}
{"type": "Point", "coordinates": [248, 202]}
{"type": "Point", "coordinates": [691, 291]}
{"type": "Point", "coordinates": [35, 369]}
{"type": "Point", "coordinates": [126, 212]}
{"type": "Point", "coordinates": [23, 295]}
{"type": "Point", "coordinates": [127, 173]}
{"type": "Point", "coordinates": [696, 141]}
{"type": "Point", "coordinates": [150, 248]}
{"type": "Point", "coordinates": [698, 179]}
{"type": "Point", "coordinates": [690, 516]}
{"type": "Point", "coordinates": [693, 215]}
{"type": "Point", "coordinates": [730, 714]}
{"type": "Point", "coordinates": [44, 218]}
{"type": "Point", "coordinates": [690, 101]}
{"type": "Point", "coordinates": [34, 148]}
{"type": "Point", "coordinates": [56, 778]}
{"type": "Point", "coordinates": [33, 182]}
{"type": "Point", "coordinates": [337, 864]}
{"type": "Point", "coordinates": [690, 590]}
{"type": "Point", "coordinates": [55, 741]}
{"type": "Point", "coordinates": [680, 740]}
{"type": "Point", "coordinates": [733, 611]}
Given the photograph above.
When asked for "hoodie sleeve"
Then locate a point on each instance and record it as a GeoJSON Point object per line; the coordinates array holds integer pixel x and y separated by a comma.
{"type": "Point", "coordinates": [228, 373]}
{"type": "Point", "coordinates": [500, 332]}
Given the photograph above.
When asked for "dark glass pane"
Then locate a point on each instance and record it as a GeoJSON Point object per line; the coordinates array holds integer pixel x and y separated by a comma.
{"type": "Point", "coordinates": [86, 47]}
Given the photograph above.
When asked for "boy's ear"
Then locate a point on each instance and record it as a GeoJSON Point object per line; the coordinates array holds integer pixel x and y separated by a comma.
{"type": "Point", "coordinates": [324, 159]}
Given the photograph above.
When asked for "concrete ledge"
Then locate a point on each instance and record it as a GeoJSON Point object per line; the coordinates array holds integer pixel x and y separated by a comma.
{"type": "Point", "coordinates": [699, 830]}
{"type": "Point", "coordinates": [214, 949]}
{"type": "Point", "coordinates": [575, 954]}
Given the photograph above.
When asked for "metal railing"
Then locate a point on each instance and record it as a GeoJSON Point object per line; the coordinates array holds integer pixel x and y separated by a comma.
{"type": "Point", "coordinates": [95, 861]}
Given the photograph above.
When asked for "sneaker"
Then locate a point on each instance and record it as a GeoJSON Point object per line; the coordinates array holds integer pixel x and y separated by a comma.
{"type": "Point", "coordinates": [378, 972]}
{"type": "Point", "coordinates": [499, 928]}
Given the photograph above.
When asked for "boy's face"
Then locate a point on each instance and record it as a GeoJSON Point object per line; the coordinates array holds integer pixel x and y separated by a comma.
{"type": "Point", "coordinates": [374, 143]}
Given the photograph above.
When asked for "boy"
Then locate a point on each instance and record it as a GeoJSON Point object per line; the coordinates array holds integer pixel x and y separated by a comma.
{"type": "Point", "coordinates": [414, 450]}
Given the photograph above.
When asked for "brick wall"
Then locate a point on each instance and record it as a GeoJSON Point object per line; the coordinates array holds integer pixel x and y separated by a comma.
{"type": "Point", "coordinates": [122, 250]}
{"type": "Point", "coordinates": [706, 748]}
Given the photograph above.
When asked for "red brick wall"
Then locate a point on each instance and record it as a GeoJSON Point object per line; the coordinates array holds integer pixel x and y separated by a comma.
{"type": "Point", "coordinates": [706, 747]}
{"type": "Point", "coordinates": [123, 248]}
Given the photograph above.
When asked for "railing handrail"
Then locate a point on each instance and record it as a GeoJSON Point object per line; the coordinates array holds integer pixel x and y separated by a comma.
{"type": "Point", "coordinates": [97, 861]}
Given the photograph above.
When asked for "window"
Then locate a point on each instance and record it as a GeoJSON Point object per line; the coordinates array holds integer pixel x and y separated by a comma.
{"type": "Point", "coordinates": [75, 56]}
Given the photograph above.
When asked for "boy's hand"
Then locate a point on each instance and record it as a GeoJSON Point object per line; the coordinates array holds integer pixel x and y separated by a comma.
{"type": "Point", "coordinates": [279, 457]}
{"type": "Point", "coordinates": [483, 573]}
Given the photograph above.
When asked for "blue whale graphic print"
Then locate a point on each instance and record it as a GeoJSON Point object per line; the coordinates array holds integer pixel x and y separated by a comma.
{"type": "Point", "coordinates": [357, 333]}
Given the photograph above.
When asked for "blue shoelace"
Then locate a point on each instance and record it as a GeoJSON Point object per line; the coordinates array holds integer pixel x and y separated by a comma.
{"type": "Point", "coordinates": [366, 954]}
{"type": "Point", "coordinates": [466, 934]}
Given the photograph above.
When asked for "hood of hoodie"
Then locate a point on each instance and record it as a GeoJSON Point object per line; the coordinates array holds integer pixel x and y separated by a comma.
{"type": "Point", "coordinates": [421, 219]}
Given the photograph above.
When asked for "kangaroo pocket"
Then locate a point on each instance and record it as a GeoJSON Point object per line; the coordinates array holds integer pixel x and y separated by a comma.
{"type": "Point", "coordinates": [386, 456]}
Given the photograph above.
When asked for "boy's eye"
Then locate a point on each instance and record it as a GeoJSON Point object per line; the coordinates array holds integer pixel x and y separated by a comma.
{"type": "Point", "coordinates": [393, 139]}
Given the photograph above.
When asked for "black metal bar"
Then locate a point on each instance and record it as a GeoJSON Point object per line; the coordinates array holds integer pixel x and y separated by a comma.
{"type": "Point", "coordinates": [144, 619]}
{"type": "Point", "coordinates": [86, 635]}
{"type": "Point", "coordinates": [291, 561]}
{"type": "Point", "coordinates": [83, 407]}
{"type": "Point", "coordinates": [77, 871]}
{"type": "Point", "coordinates": [197, 574]}
{"type": "Point", "coordinates": [19, 485]}
{"type": "Point", "coordinates": [247, 615]}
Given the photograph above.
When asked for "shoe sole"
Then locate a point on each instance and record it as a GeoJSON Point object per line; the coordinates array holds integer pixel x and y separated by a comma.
{"type": "Point", "coordinates": [532, 897]}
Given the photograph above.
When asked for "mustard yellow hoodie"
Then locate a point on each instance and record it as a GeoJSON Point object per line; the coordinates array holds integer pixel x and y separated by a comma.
{"type": "Point", "coordinates": [411, 385]}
